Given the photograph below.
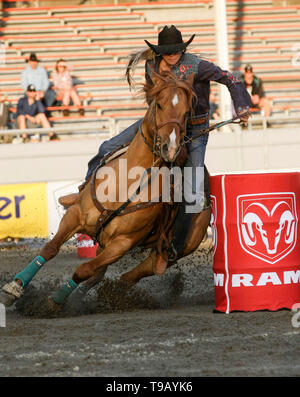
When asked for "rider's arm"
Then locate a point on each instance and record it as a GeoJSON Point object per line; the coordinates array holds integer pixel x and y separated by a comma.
{"type": "Point", "coordinates": [239, 95]}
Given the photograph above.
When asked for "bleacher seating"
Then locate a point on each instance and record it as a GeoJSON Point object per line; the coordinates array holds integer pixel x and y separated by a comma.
{"type": "Point", "coordinates": [96, 40]}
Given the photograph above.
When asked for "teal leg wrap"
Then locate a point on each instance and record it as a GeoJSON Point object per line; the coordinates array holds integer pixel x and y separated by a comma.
{"type": "Point", "coordinates": [60, 295]}
{"type": "Point", "coordinates": [30, 270]}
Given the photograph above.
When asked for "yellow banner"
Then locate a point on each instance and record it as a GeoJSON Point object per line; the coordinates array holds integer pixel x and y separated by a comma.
{"type": "Point", "coordinates": [24, 210]}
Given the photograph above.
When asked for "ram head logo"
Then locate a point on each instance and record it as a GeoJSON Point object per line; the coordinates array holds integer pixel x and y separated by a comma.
{"type": "Point", "coordinates": [268, 228]}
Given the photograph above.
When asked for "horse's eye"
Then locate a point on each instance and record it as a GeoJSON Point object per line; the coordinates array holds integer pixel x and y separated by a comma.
{"type": "Point", "coordinates": [159, 107]}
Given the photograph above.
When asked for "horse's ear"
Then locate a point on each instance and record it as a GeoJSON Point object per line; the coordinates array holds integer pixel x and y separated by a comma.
{"type": "Point", "coordinates": [190, 78]}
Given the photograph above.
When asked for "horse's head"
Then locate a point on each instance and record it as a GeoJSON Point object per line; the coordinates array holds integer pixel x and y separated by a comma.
{"type": "Point", "coordinates": [170, 102]}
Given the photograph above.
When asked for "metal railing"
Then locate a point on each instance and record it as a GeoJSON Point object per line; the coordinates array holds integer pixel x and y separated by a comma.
{"type": "Point", "coordinates": [109, 127]}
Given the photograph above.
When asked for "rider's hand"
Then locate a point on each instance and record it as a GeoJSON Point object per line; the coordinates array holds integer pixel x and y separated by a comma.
{"type": "Point", "coordinates": [244, 119]}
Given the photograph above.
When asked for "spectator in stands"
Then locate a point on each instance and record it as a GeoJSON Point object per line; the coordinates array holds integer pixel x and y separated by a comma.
{"type": "Point", "coordinates": [37, 75]}
{"type": "Point", "coordinates": [254, 86]}
{"type": "Point", "coordinates": [63, 86]}
{"type": "Point", "coordinates": [4, 119]}
{"type": "Point", "coordinates": [31, 113]}
{"type": "Point", "coordinates": [170, 55]}
{"type": "Point", "coordinates": [3, 113]}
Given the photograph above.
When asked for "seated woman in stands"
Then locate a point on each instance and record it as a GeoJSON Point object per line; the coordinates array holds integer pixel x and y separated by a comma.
{"type": "Point", "coordinates": [63, 86]}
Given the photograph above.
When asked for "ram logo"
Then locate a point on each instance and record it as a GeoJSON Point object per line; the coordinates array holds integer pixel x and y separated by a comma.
{"type": "Point", "coordinates": [267, 225]}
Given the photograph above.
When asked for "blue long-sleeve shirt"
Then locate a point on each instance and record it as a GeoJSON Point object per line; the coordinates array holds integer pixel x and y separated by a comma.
{"type": "Point", "coordinates": [204, 73]}
{"type": "Point", "coordinates": [37, 77]}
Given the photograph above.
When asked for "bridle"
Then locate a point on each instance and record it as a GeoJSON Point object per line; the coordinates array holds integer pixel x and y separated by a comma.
{"type": "Point", "coordinates": [156, 145]}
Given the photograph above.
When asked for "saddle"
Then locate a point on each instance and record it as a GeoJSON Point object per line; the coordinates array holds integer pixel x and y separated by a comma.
{"type": "Point", "coordinates": [70, 199]}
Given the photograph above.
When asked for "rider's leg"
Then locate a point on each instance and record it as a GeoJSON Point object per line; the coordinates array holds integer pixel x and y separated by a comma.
{"type": "Point", "coordinates": [193, 200]}
{"type": "Point", "coordinates": [108, 146]}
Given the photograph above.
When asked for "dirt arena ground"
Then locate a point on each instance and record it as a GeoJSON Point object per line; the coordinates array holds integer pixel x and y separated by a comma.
{"type": "Point", "coordinates": [164, 327]}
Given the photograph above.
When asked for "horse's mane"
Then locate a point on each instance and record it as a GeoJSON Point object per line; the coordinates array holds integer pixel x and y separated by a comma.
{"type": "Point", "coordinates": [168, 79]}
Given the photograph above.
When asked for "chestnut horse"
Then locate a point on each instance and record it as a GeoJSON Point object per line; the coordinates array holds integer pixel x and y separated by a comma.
{"type": "Point", "coordinates": [158, 142]}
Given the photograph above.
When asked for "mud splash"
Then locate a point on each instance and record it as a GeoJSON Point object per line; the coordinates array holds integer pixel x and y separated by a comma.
{"type": "Point", "coordinates": [188, 282]}
{"type": "Point", "coordinates": [109, 297]}
{"type": "Point", "coordinates": [117, 296]}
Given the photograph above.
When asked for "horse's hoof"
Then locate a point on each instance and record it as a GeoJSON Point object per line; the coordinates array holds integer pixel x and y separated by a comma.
{"type": "Point", "coordinates": [10, 293]}
{"type": "Point", "coordinates": [160, 265]}
{"type": "Point", "coordinates": [7, 299]}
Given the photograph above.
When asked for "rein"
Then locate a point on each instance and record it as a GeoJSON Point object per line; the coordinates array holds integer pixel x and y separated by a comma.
{"type": "Point", "coordinates": [186, 139]}
{"type": "Point", "coordinates": [215, 126]}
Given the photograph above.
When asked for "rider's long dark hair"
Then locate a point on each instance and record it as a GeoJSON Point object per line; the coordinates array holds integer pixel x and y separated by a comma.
{"type": "Point", "coordinates": [142, 55]}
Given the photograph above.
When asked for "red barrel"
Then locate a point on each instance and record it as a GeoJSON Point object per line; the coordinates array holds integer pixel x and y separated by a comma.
{"type": "Point", "coordinates": [86, 247]}
{"type": "Point", "coordinates": [255, 238]}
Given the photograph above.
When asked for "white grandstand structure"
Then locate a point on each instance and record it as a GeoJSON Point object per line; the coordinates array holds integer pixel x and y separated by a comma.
{"type": "Point", "coordinates": [96, 37]}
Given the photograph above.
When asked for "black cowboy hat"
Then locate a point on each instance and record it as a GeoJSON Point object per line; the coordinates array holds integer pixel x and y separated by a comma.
{"type": "Point", "coordinates": [32, 57]}
{"type": "Point", "coordinates": [169, 41]}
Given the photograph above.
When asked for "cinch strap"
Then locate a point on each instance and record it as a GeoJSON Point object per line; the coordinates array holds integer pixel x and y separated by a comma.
{"type": "Point", "coordinates": [30, 270]}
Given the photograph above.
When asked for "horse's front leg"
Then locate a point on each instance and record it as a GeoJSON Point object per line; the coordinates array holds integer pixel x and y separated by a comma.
{"type": "Point", "coordinates": [91, 272]}
{"type": "Point", "coordinates": [69, 225]}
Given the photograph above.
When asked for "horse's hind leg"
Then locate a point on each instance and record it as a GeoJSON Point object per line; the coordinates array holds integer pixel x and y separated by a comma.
{"type": "Point", "coordinates": [194, 238]}
{"type": "Point", "coordinates": [144, 269]}
{"type": "Point", "coordinates": [69, 225]}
